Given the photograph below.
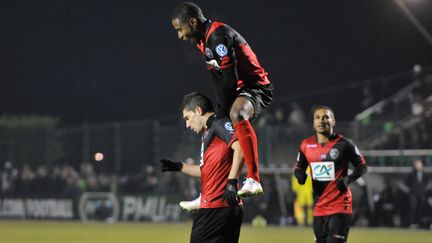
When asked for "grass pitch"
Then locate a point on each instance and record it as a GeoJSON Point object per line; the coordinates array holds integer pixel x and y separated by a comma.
{"type": "Point", "coordinates": [12, 231]}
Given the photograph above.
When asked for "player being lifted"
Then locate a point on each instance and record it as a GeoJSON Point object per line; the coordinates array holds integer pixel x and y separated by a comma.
{"type": "Point", "coordinates": [240, 83]}
{"type": "Point", "coordinates": [328, 155]}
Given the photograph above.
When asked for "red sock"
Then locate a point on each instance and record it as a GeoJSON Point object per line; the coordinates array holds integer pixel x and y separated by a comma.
{"type": "Point", "coordinates": [249, 145]}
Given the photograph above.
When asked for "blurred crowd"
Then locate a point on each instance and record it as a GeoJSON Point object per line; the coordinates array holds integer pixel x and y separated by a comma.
{"type": "Point", "coordinates": [403, 120]}
{"type": "Point", "coordinates": [60, 181]}
{"type": "Point", "coordinates": [404, 202]}
{"type": "Point", "coordinates": [65, 181]}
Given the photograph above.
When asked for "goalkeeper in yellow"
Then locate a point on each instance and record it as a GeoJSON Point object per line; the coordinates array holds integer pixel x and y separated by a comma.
{"type": "Point", "coordinates": [303, 212]}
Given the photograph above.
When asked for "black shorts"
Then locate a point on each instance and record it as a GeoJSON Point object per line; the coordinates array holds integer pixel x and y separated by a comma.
{"type": "Point", "coordinates": [332, 228]}
{"type": "Point", "coordinates": [217, 225]}
{"type": "Point", "coordinates": [260, 97]}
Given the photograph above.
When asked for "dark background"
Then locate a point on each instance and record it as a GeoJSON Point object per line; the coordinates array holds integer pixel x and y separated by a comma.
{"type": "Point", "coordinates": [102, 61]}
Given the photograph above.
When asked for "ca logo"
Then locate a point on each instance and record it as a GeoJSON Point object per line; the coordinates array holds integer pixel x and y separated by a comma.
{"type": "Point", "coordinates": [322, 170]}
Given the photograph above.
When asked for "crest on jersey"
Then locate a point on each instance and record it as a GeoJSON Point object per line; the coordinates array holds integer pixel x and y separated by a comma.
{"type": "Point", "coordinates": [334, 153]}
{"type": "Point", "coordinates": [209, 53]}
{"type": "Point", "coordinates": [229, 127]}
{"type": "Point", "coordinates": [221, 50]}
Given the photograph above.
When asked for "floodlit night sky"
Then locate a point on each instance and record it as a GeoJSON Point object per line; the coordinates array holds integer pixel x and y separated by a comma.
{"type": "Point", "coordinates": [104, 60]}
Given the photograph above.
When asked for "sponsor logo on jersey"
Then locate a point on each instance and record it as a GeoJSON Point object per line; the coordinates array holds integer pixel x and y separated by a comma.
{"type": "Point", "coordinates": [311, 145]}
{"type": "Point", "coordinates": [209, 53]}
{"type": "Point", "coordinates": [323, 171]}
{"type": "Point", "coordinates": [229, 127]}
{"type": "Point", "coordinates": [323, 156]}
{"type": "Point", "coordinates": [221, 50]}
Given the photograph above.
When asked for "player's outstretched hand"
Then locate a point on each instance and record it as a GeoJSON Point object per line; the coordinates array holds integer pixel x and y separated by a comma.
{"type": "Point", "coordinates": [170, 165]}
{"type": "Point", "coordinates": [342, 184]}
{"type": "Point", "coordinates": [230, 193]}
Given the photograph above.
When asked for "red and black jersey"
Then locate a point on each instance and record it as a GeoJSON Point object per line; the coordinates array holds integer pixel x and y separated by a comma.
{"type": "Point", "coordinates": [328, 162]}
{"type": "Point", "coordinates": [231, 62]}
{"type": "Point", "coordinates": [216, 161]}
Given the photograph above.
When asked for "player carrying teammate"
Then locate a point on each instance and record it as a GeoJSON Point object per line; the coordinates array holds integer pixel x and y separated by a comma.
{"type": "Point", "coordinates": [220, 213]}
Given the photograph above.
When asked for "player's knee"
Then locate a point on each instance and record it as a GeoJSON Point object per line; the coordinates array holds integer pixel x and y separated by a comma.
{"type": "Point", "coordinates": [239, 113]}
{"type": "Point", "coordinates": [235, 116]}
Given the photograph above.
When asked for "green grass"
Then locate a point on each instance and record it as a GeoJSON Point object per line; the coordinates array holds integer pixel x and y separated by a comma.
{"type": "Point", "coordinates": [12, 231]}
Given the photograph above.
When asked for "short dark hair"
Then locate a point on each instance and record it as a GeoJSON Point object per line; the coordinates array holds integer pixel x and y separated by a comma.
{"type": "Point", "coordinates": [324, 107]}
{"type": "Point", "coordinates": [195, 99]}
{"type": "Point", "coordinates": [188, 10]}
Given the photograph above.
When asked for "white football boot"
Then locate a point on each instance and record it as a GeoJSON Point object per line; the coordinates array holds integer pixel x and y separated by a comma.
{"type": "Point", "coordinates": [191, 206]}
{"type": "Point", "coordinates": [250, 188]}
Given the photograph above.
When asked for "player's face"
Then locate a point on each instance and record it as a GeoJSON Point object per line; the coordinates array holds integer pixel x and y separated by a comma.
{"type": "Point", "coordinates": [194, 120]}
{"type": "Point", "coordinates": [324, 121]}
{"type": "Point", "coordinates": [185, 31]}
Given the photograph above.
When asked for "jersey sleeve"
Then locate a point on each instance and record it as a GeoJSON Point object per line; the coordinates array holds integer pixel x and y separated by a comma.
{"type": "Point", "coordinates": [301, 166]}
{"type": "Point", "coordinates": [224, 129]}
{"type": "Point", "coordinates": [353, 154]}
{"type": "Point", "coordinates": [221, 43]}
{"type": "Point", "coordinates": [357, 160]}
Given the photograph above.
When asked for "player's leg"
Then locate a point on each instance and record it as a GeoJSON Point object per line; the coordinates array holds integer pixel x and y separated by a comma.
{"type": "Point", "coordinates": [249, 105]}
{"type": "Point", "coordinates": [241, 112]}
{"type": "Point", "coordinates": [320, 228]}
{"type": "Point", "coordinates": [309, 215]}
{"type": "Point", "coordinates": [338, 227]}
{"type": "Point", "coordinates": [199, 226]}
{"type": "Point", "coordinates": [233, 222]}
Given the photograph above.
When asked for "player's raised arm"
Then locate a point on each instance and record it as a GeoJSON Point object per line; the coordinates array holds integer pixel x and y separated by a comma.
{"type": "Point", "coordinates": [176, 166]}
